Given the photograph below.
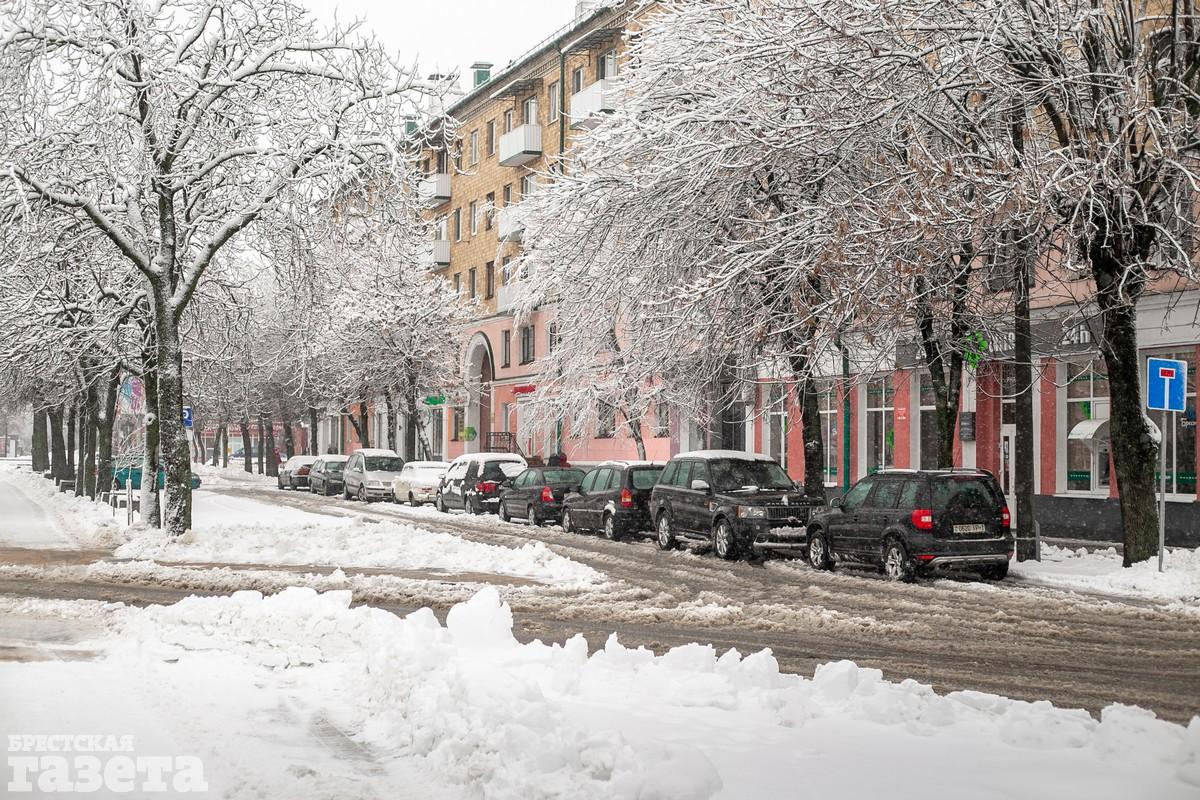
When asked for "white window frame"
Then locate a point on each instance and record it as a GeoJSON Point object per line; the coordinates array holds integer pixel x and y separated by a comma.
{"type": "Point", "coordinates": [552, 104]}
{"type": "Point", "coordinates": [474, 147]}
{"type": "Point", "coordinates": [1100, 404]}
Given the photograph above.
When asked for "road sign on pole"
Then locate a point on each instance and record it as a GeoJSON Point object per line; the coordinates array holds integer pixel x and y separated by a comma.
{"type": "Point", "coordinates": [1166, 391]}
{"type": "Point", "coordinates": [187, 417]}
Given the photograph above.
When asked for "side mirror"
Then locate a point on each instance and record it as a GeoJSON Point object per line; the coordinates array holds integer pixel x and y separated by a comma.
{"type": "Point", "coordinates": [835, 502]}
{"type": "Point", "coordinates": [700, 486]}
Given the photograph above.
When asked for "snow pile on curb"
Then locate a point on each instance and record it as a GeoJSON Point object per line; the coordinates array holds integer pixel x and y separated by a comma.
{"type": "Point", "coordinates": [89, 523]}
{"type": "Point", "coordinates": [512, 720]}
{"type": "Point", "coordinates": [1101, 572]}
{"type": "Point", "coordinates": [358, 542]}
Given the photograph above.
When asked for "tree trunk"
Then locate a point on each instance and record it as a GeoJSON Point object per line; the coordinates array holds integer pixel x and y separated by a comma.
{"type": "Point", "coordinates": [1023, 466]}
{"type": "Point", "coordinates": [150, 498]}
{"type": "Point", "coordinates": [289, 438]}
{"type": "Point", "coordinates": [216, 448]}
{"type": "Point", "coordinates": [198, 441]}
{"type": "Point", "coordinates": [41, 443]}
{"type": "Point", "coordinates": [814, 442]}
{"type": "Point", "coordinates": [58, 449]}
{"type": "Point", "coordinates": [91, 438]}
{"type": "Point", "coordinates": [105, 421]}
{"type": "Point", "coordinates": [364, 425]}
{"type": "Point", "coordinates": [247, 445]}
{"type": "Point", "coordinates": [313, 444]}
{"type": "Point", "coordinates": [945, 370]}
{"type": "Point", "coordinates": [411, 426]}
{"type": "Point", "coordinates": [71, 445]}
{"type": "Point", "coordinates": [635, 432]}
{"type": "Point", "coordinates": [392, 422]}
{"type": "Point", "coordinates": [1134, 451]}
{"type": "Point", "coordinates": [176, 455]}
{"type": "Point", "coordinates": [224, 445]}
{"type": "Point", "coordinates": [261, 444]}
{"type": "Point", "coordinates": [81, 428]}
{"type": "Point", "coordinates": [272, 461]}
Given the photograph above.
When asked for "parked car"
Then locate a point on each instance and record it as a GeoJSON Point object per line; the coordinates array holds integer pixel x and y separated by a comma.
{"type": "Point", "coordinates": [418, 482]}
{"type": "Point", "coordinates": [369, 473]}
{"type": "Point", "coordinates": [128, 469]}
{"type": "Point", "coordinates": [536, 494]}
{"type": "Point", "coordinates": [473, 481]}
{"type": "Point", "coordinates": [325, 475]}
{"type": "Point", "coordinates": [293, 473]}
{"type": "Point", "coordinates": [613, 498]}
{"type": "Point", "coordinates": [907, 522]}
{"type": "Point", "coordinates": [739, 502]}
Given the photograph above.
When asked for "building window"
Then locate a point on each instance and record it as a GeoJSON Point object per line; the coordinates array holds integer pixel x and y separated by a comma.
{"type": "Point", "coordinates": [880, 424]}
{"type": "Point", "coordinates": [458, 422]}
{"type": "Point", "coordinates": [662, 420]}
{"type": "Point", "coordinates": [474, 221]}
{"type": "Point", "coordinates": [442, 161]}
{"type": "Point", "coordinates": [551, 337]}
{"type": "Point", "coordinates": [529, 110]}
{"type": "Point", "coordinates": [490, 212]}
{"type": "Point", "coordinates": [457, 282]}
{"type": "Point", "coordinates": [508, 120]}
{"type": "Point", "coordinates": [439, 229]}
{"type": "Point", "coordinates": [437, 425]}
{"type": "Point", "coordinates": [474, 148]}
{"type": "Point", "coordinates": [553, 103]}
{"type": "Point", "coordinates": [527, 352]}
{"type": "Point", "coordinates": [777, 423]}
{"type": "Point", "coordinates": [577, 80]}
{"type": "Point", "coordinates": [471, 282]}
{"type": "Point", "coordinates": [829, 406]}
{"type": "Point", "coordinates": [506, 348]}
{"type": "Point", "coordinates": [928, 421]}
{"type": "Point", "coordinates": [606, 420]}
{"type": "Point", "coordinates": [490, 137]}
{"type": "Point", "coordinates": [528, 184]}
{"type": "Point", "coordinates": [606, 65]}
{"type": "Point", "coordinates": [1181, 431]}
{"type": "Point", "coordinates": [1087, 402]}
{"type": "Point", "coordinates": [456, 223]}
{"type": "Point", "coordinates": [489, 280]}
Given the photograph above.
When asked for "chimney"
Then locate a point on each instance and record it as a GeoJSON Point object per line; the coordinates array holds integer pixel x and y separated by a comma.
{"type": "Point", "coordinates": [482, 70]}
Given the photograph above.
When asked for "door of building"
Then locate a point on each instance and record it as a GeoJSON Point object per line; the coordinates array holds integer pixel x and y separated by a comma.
{"type": "Point", "coordinates": [1008, 455]}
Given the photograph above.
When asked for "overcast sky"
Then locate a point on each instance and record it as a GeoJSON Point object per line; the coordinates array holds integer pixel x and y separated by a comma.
{"type": "Point", "coordinates": [451, 34]}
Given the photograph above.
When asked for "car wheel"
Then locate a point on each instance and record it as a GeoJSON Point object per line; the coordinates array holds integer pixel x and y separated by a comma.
{"type": "Point", "coordinates": [723, 541]}
{"type": "Point", "coordinates": [412, 500]}
{"type": "Point", "coordinates": [346, 492]}
{"type": "Point", "coordinates": [818, 551]}
{"type": "Point", "coordinates": [568, 524]}
{"type": "Point", "coordinates": [896, 564]}
{"type": "Point", "coordinates": [665, 538]}
{"type": "Point", "coordinates": [610, 528]}
{"type": "Point", "coordinates": [502, 512]}
{"type": "Point", "coordinates": [531, 516]}
{"type": "Point", "coordinates": [995, 573]}
{"type": "Point", "coordinates": [279, 483]}
{"type": "Point", "coordinates": [439, 503]}
{"type": "Point", "coordinates": [362, 494]}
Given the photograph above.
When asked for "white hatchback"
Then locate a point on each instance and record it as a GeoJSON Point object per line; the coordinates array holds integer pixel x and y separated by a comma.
{"type": "Point", "coordinates": [418, 482]}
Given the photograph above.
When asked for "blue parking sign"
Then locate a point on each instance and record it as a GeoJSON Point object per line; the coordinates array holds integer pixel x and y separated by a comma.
{"type": "Point", "coordinates": [1166, 384]}
{"type": "Point", "coordinates": [187, 417]}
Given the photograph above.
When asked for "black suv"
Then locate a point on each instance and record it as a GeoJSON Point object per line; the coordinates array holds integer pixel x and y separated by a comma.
{"type": "Point", "coordinates": [613, 498]}
{"type": "Point", "coordinates": [740, 502]}
{"type": "Point", "coordinates": [912, 521]}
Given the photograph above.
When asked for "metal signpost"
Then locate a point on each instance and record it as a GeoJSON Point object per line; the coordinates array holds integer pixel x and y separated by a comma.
{"type": "Point", "coordinates": [1166, 391]}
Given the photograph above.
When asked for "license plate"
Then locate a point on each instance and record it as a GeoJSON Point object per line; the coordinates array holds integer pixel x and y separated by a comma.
{"type": "Point", "coordinates": [969, 529]}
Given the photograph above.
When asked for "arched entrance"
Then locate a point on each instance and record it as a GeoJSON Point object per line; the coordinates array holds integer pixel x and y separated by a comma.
{"type": "Point", "coordinates": [480, 374]}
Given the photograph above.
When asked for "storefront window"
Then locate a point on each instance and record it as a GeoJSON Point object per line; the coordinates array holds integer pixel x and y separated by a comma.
{"type": "Point", "coordinates": [880, 424]}
{"type": "Point", "coordinates": [830, 405]}
{"type": "Point", "coordinates": [929, 434]}
{"type": "Point", "coordinates": [777, 423]}
{"type": "Point", "coordinates": [1181, 431]}
{"type": "Point", "coordinates": [1087, 454]}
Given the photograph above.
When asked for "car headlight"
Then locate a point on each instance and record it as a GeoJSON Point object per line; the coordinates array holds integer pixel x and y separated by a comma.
{"type": "Point", "coordinates": [375, 484]}
{"type": "Point", "coordinates": [752, 512]}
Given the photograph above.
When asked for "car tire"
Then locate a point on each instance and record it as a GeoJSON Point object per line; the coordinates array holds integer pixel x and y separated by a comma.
{"type": "Point", "coordinates": [362, 494]}
{"type": "Point", "coordinates": [995, 573]}
{"type": "Point", "coordinates": [897, 566]}
{"type": "Point", "coordinates": [412, 500]}
{"type": "Point", "coordinates": [664, 536]}
{"type": "Point", "coordinates": [440, 504]}
{"type": "Point", "coordinates": [531, 517]}
{"type": "Point", "coordinates": [475, 506]}
{"type": "Point", "coordinates": [568, 525]}
{"type": "Point", "coordinates": [610, 528]}
{"type": "Point", "coordinates": [724, 540]}
{"type": "Point", "coordinates": [818, 551]}
{"type": "Point", "coordinates": [346, 492]}
{"type": "Point", "coordinates": [502, 512]}
{"type": "Point", "coordinates": [279, 483]}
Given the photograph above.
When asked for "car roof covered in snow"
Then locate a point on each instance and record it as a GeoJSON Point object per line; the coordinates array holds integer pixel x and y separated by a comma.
{"type": "Point", "coordinates": [630, 463]}
{"type": "Point", "coordinates": [491, 457]}
{"type": "Point", "coordinates": [302, 459]}
{"type": "Point", "coordinates": [428, 464]}
{"type": "Point", "coordinates": [334, 457]}
{"type": "Point", "coordinates": [739, 454]}
{"type": "Point", "coordinates": [375, 451]}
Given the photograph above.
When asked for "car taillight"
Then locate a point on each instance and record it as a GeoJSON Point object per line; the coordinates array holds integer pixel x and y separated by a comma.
{"type": "Point", "coordinates": [547, 495]}
{"type": "Point", "coordinates": [626, 498]}
{"type": "Point", "coordinates": [1005, 518]}
{"type": "Point", "coordinates": [486, 487]}
{"type": "Point", "coordinates": [922, 519]}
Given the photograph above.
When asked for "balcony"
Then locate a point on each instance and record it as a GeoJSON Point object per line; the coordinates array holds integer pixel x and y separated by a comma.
{"type": "Point", "coordinates": [521, 145]}
{"type": "Point", "coordinates": [589, 106]}
{"type": "Point", "coordinates": [441, 252]}
{"type": "Point", "coordinates": [435, 188]}
{"type": "Point", "coordinates": [510, 224]}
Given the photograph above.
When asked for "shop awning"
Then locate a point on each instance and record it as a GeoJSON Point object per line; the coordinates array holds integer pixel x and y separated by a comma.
{"type": "Point", "coordinates": [1096, 430]}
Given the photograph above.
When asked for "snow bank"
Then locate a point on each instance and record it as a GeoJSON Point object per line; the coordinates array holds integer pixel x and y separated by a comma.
{"type": "Point", "coordinates": [1101, 572]}
{"type": "Point", "coordinates": [88, 523]}
{"type": "Point", "coordinates": [537, 721]}
{"type": "Point", "coordinates": [297, 538]}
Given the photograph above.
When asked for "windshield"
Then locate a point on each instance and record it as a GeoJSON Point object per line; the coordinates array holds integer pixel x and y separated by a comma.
{"type": "Point", "coordinates": [645, 478]}
{"type": "Point", "coordinates": [508, 469]}
{"type": "Point", "coordinates": [335, 466]}
{"type": "Point", "coordinates": [965, 493]}
{"type": "Point", "coordinates": [384, 463]}
{"type": "Point", "coordinates": [563, 475]}
{"type": "Point", "coordinates": [730, 475]}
